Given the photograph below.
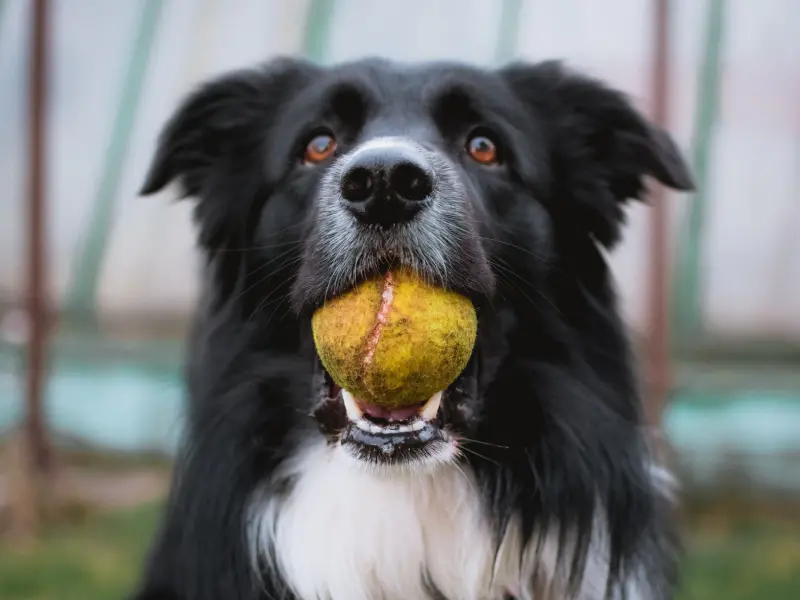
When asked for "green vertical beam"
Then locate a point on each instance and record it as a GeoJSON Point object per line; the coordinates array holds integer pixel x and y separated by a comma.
{"type": "Point", "coordinates": [317, 32]}
{"type": "Point", "coordinates": [508, 31]}
{"type": "Point", "coordinates": [2, 12]}
{"type": "Point", "coordinates": [688, 298]}
{"type": "Point", "coordinates": [82, 294]}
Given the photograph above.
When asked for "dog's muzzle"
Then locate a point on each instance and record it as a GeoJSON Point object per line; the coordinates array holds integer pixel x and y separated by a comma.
{"type": "Point", "coordinates": [392, 203]}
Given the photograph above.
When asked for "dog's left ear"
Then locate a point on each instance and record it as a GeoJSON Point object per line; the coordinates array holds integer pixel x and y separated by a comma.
{"type": "Point", "coordinates": [601, 147]}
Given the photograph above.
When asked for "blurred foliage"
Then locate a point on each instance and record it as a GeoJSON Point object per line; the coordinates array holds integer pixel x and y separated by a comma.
{"type": "Point", "coordinates": [752, 560]}
{"type": "Point", "coordinates": [744, 558]}
{"type": "Point", "coordinates": [97, 558]}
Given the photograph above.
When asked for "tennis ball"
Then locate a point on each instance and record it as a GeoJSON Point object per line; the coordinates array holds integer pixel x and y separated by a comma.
{"type": "Point", "coordinates": [395, 340]}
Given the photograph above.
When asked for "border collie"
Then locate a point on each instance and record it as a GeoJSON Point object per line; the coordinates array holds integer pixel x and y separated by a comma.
{"type": "Point", "coordinates": [534, 480]}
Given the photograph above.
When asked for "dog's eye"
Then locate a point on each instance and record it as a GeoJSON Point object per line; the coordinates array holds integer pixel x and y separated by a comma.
{"type": "Point", "coordinates": [483, 150]}
{"type": "Point", "coordinates": [319, 149]}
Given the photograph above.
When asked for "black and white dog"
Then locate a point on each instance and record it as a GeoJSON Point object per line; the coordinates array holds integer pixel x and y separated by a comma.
{"type": "Point", "coordinates": [533, 480]}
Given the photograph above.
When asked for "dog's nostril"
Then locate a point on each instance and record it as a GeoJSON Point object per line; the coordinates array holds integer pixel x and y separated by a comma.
{"type": "Point", "coordinates": [386, 182]}
{"type": "Point", "coordinates": [357, 184]}
{"type": "Point", "coordinates": [411, 182]}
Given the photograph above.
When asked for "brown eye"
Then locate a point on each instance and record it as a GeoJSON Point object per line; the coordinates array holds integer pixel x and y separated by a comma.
{"type": "Point", "coordinates": [319, 148]}
{"type": "Point", "coordinates": [483, 150]}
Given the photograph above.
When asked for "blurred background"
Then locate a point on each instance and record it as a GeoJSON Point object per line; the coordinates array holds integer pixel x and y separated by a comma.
{"type": "Point", "coordinates": [97, 285]}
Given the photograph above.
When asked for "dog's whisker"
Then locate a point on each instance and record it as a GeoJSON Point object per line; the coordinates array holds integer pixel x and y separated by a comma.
{"type": "Point", "coordinates": [465, 476]}
{"type": "Point", "coordinates": [263, 303]}
{"type": "Point", "coordinates": [269, 275]}
{"type": "Point", "coordinates": [284, 231]}
{"type": "Point", "coordinates": [288, 244]}
{"type": "Point", "coordinates": [507, 271]}
{"type": "Point", "coordinates": [528, 251]}
{"type": "Point", "coordinates": [462, 437]}
{"type": "Point", "coordinates": [479, 455]}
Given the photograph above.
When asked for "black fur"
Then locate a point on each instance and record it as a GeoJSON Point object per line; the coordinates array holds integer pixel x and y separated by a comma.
{"type": "Point", "coordinates": [555, 403]}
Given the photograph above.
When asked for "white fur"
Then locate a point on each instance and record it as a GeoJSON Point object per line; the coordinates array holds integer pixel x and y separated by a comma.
{"type": "Point", "coordinates": [344, 532]}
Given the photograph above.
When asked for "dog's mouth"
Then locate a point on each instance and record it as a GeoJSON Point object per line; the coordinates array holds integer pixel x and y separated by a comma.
{"type": "Point", "coordinates": [425, 432]}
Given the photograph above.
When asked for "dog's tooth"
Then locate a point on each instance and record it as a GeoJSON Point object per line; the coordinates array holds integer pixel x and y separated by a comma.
{"type": "Point", "coordinates": [375, 428]}
{"type": "Point", "coordinates": [354, 412]}
{"type": "Point", "coordinates": [417, 425]}
{"type": "Point", "coordinates": [431, 407]}
{"type": "Point", "coordinates": [404, 429]}
{"type": "Point", "coordinates": [363, 424]}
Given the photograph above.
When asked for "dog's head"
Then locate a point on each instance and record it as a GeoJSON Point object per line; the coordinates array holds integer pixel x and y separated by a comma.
{"type": "Point", "coordinates": [499, 184]}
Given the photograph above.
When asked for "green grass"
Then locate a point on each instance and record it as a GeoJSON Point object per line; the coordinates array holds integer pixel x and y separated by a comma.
{"type": "Point", "coordinates": [99, 559]}
{"type": "Point", "coordinates": [750, 560]}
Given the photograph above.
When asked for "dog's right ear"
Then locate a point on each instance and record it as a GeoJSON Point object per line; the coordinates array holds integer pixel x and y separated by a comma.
{"type": "Point", "coordinates": [213, 147]}
{"type": "Point", "coordinates": [222, 117]}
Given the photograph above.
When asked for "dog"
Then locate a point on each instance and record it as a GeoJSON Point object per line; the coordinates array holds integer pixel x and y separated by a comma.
{"type": "Point", "coordinates": [535, 479]}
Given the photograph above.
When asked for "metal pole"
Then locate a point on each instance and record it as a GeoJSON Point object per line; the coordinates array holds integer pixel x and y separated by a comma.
{"type": "Point", "coordinates": [82, 294]}
{"type": "Point", "coordinates": [36, 250]}
{"type": "Point", "coordinates": [2, 12]}
{"type": "Point", "coordinates": [508, 31]}
{"type": "Point", "coordinates": [658, 366]}
{"type": "Point", "coordinates": [688, 321]}
{"type": "Point", "coordinates": [319, 20]}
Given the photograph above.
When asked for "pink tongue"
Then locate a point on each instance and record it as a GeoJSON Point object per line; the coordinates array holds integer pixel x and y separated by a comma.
{"type": "Point", "coordinates": [404, 413]}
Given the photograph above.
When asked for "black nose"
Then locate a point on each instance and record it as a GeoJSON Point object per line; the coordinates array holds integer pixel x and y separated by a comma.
{"type": "Point", "coordinates": [387, 185]}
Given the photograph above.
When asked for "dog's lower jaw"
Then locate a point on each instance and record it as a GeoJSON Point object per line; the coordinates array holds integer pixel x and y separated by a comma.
{"type": "Point", "coordinates": [342, 532]}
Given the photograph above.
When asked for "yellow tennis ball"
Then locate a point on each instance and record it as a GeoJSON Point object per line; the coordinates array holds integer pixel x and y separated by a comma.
{"type": "Point", "coordinates": [395, 340]}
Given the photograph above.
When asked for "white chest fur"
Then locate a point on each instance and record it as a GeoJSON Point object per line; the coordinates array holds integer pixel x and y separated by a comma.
{"type": "Point", "coordinates": [343, 533]}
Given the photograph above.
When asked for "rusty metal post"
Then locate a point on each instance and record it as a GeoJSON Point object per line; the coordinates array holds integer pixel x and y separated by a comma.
{"type": "Point", "coordinates": [38, 313]}
{"type": "Point", "coordinates": [29, 453]}
{"type": "Point", "coordinates": [657, 352]}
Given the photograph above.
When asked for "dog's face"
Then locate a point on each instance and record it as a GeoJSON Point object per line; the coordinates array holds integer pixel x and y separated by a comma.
{"type": "Point", "coordinates": [490, 183]}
